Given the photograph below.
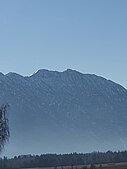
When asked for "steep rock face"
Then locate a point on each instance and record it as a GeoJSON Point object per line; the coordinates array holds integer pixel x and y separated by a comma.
{"type": "Point", "coordinates": [66, 111]}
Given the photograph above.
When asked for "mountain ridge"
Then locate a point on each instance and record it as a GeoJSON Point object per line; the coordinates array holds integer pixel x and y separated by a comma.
{"type": "Point", "coordinates": [42, 71]}
{"type": "Point", "coordinates": [65, 111]}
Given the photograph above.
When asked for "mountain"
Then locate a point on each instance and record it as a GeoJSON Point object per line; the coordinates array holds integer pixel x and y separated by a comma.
{"type": "Point", "coordinates": [64, 112]}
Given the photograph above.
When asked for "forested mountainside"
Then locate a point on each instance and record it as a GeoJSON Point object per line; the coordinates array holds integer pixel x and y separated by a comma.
{"type": "Point", "coordinates": [64, 112]}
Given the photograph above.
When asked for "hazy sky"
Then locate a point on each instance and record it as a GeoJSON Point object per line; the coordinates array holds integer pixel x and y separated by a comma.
{"type": "Point", "coordinates": [87, 35]}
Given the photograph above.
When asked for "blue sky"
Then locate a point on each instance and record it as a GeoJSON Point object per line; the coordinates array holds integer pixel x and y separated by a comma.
{"type": "Point", "coordinates": [87, 35]}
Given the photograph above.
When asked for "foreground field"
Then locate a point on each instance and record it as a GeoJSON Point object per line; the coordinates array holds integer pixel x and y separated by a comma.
{"type": "Point", "coordinates": [103, 166]}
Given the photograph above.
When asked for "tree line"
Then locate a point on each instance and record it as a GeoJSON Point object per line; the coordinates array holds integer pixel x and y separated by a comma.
{"type": "Point", "coordinates": [55, 160]}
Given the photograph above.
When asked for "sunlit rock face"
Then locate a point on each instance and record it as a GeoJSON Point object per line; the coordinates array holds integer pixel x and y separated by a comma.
{"type": "Point", "coordinates": [63, 112]}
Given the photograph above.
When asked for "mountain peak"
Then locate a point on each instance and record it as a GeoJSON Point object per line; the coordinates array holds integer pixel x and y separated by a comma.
{"type": "Point", "coordinates": [13, 75]}
{"type": "Point", "coordinates": [44, 73]}
{"type": "Point", "coordinates": [71, 71]}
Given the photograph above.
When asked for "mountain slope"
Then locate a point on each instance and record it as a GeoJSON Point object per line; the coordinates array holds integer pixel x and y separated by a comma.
{"type": "Point", "coordinates": [66, 111]}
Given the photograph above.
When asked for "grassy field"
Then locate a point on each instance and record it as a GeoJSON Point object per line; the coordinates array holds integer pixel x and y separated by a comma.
{"type": "Point", "coordinates": [103, 166]}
